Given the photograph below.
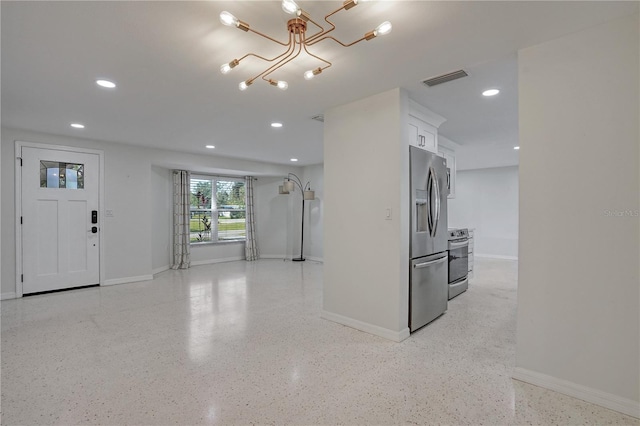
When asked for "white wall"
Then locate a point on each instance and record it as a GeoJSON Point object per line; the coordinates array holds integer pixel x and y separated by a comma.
{"type": "Point", "coordinates": [131, 235]}
{"type": "Point", "coordinates": [365, 256]}
{"type": "Point", "coordinates": [279, 220]}
{"type": "Point", "coordinates": [273, 219]}
{"type": "Point", "coordinates": [487, 200]}
{"type": "Point", "coordinates": [578, 296]}
{"type": "Point", "coordinates": [161, 218]}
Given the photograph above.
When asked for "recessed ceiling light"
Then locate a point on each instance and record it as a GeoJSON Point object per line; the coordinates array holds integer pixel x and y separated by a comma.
{"type": "Point", "coordinates": [294, 159]}
{"type": "Point", "coordinates": [276, 124]}
{"type": "Point", "coordinates": [210, 146]}
{"type": "Point", "coordinates": [490, 92]}
{"type": "Point", "coordinates": [516, 148]}
{"type": "Point", "coordinates": [106, 83]}
{"type": "Point", "coordinates": [77, 125]}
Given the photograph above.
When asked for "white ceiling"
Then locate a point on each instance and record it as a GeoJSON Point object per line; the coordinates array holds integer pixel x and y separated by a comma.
{"type": "Point", "coordinates": [165, 58]}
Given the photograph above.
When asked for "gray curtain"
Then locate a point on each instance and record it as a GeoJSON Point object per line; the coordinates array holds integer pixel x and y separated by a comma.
{"type": "Point", "coordinates": [251, 245]}
{"type": "Point", "coordinates": [181, 216]}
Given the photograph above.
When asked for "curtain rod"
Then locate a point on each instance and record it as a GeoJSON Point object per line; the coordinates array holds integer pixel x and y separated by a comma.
{"type": "Point", "coordinates": [218, 175]}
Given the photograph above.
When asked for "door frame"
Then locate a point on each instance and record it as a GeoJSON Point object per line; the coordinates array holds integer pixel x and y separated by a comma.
{"type": "Point", "coordinates": [18, 202]}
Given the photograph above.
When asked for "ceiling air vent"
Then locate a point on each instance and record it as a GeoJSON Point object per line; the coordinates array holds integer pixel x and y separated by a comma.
{"type": "Point", "coordinates": [444, 78]}
{"type": "Point", "coordinates": [318, 117]}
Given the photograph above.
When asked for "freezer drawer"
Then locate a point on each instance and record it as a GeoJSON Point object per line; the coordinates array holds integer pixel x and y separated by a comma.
{"type": "Point", "coordinates": [428, 290]}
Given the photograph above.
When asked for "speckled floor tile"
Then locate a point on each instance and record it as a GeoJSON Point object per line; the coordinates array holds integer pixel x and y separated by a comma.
{"type": "Point", "coordinates": [243, 343]}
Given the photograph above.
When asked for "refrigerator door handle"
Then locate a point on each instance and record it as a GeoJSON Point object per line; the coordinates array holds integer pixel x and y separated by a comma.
{"type": "Point", "coordinates": [433, 262]}
{"type": "Point", "coordinates": [434, 187]}
{"type": "Point", "coordinates": [429, 202]}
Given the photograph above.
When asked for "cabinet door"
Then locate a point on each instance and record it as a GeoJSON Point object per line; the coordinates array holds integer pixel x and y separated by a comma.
{"type": "Point", "coordinates": [422, 135]}
{"type": "Point", "coordinates": [430, 135]}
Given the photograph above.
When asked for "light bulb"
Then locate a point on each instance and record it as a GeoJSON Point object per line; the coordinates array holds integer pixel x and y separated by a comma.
{"type": "Point", "coordinates": [290, 7]}
{"type": "Point", "coordinates": [282, 85]}
{"type": "Point", "coordinates": [382, 29]}
{"type": "Point", "coordinates": [228, 19]}
{"type": "Point", "coordinates": [225, 68]}
{"type": "Point", "coordinates": [308, 75]}
{"type": "Point", "coordinates": [243, 85]}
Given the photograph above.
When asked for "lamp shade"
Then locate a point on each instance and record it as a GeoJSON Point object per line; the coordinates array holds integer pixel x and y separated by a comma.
{"type": "Point", "coordinates": [281, 190]}
{"type": "Point", "coordinates": [288, 185]}
{"type": "Point", "coordinates": [309, 195]}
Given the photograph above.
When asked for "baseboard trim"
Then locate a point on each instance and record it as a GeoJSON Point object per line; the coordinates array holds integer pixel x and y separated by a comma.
{"type": "Point", "coordinates": [275, 256]}
{"type": "Point", "coordinates": [5, 296]}
{"type": "Point", "coordinates": [289, 257]}
{"type": "Point", "coordinates": [594, 396]}
{"type": "Point", "coordinates": [496, 256]}
{"type": "Point", "coordinates": [161, 269]}
{"type": "Point", "coordinates": [396, 336]}
{"type": "Point", "coordinates": [126, 280]}
{"type": "Point", "coordinates": [212, 261]}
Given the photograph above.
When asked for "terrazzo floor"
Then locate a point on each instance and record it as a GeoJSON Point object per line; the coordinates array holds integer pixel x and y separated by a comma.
{"type": "Point", "coordinates": [243, 343]}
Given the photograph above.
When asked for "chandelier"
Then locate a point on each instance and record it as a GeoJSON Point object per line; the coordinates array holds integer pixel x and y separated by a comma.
{"type": "Point", "coordinates": [298, 41]}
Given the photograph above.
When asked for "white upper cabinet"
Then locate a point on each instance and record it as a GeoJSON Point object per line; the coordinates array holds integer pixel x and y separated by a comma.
{"type": "Point", "coordinates": [422, 134]}
{"type": "Point", "coordinates": [423, 127]}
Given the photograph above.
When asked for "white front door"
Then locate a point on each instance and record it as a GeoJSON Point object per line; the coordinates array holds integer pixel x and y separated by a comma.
{"type": "Point", "coordinates": [60, 231]}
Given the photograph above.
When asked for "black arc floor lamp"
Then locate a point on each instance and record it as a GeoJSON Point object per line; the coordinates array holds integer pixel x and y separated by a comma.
{"type": "Point", "coordinates": [289, 185]}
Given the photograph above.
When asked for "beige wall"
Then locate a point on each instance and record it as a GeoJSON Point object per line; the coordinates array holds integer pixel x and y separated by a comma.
{"type": "Point", "coordinates": [578, 296]}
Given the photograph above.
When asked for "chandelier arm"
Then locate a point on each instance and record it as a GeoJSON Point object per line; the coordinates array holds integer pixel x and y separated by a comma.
{"type": "Point", "coordinates": [326, 18]}
{"type": "Point", "coordinates": [304, 44]}
{"type": "Point", "coordinates": [277, 65]}
{"type": "Point", "coordinates": [266, 59]}
{"type": "Point", "coordinates": [338, 41]}
{"type": "Point", "coordinates": [288, 54]}
{"type": "Point", "coordinates": [267, 37]}
{"type": "Point", "coordinates": [317, 25]}
{"type": "Point", "coordinates": [280, 63]}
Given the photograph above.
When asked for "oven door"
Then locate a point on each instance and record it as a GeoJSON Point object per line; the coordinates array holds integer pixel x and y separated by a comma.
{"type": "Point", "coordinates": [458, 259]}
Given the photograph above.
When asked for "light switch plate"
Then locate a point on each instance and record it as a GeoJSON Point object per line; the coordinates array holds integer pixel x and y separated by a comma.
{"type": "Point", "coordinates": [387, 214]}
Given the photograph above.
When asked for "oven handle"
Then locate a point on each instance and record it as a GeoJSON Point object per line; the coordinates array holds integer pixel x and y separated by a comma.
{"type": "Point", "coordinates": [458, 245]}
{"type": "Point", "coordinates": [433, 262]}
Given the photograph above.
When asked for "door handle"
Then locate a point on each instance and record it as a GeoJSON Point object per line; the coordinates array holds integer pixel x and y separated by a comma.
{"type": "Point", "coordinates": [432, 262]}
{"type": "Point", "coordinates": [93, 230]}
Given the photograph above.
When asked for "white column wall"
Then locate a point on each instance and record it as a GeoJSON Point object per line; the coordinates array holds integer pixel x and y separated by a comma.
{"type": "Point", "coordinates": [365, 278]}
{"type": "Point", "coordinates": [578, 292]}
{"type": "Point", "coordinates": [313, 243]}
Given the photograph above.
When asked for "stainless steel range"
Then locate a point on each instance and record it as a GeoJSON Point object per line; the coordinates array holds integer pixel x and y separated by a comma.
{"type": "Point", "coordinates": [458, 261]}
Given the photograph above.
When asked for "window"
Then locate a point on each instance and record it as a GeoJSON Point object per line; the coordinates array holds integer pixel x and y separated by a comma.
{"type": "Point", "coordinates": [217, 209]}
{"type": "Point", "coordinates": [54, 174]}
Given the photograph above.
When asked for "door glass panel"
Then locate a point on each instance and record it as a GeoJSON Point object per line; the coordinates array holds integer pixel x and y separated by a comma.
{"type": "Point", "coordinates": [56, 174]}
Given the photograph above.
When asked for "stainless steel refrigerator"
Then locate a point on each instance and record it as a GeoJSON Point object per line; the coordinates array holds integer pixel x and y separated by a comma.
{"type": "Point", "coordinates": [428, 287]}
